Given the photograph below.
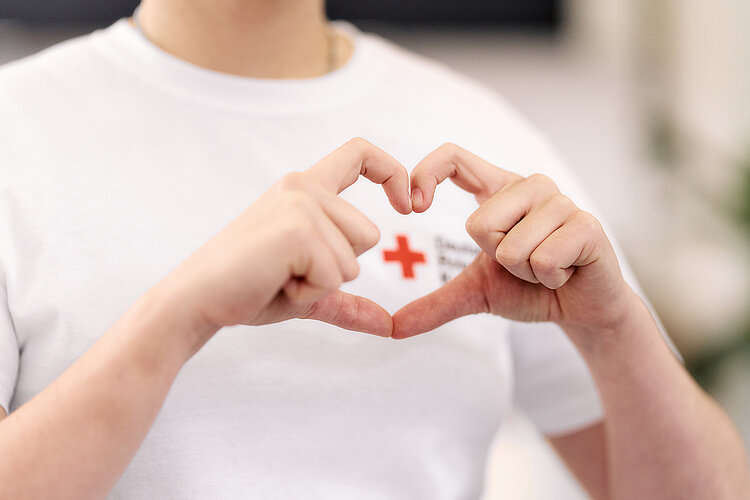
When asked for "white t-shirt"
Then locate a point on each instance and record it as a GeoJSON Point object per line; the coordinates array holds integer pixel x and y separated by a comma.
{"type": "Point", "coordinates": [117, 161]}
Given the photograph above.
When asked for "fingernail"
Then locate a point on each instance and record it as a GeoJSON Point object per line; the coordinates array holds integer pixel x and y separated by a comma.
{"type": "Point", "coordinates": [416, 197]}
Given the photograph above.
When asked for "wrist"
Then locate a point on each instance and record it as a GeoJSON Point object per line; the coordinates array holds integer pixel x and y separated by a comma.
{"type": "Point", "coordinates": [634, 319]}
{"type": "Point", "coordinates": [174, 332]}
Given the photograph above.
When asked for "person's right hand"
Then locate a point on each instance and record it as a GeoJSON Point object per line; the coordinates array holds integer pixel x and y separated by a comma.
{"type": "Point", "coordinates": [287, 254]}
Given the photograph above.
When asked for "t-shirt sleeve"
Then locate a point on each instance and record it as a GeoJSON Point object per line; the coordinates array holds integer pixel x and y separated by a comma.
{"type": "Point", "coordinates": [8, 352]}
{"type": "Point", "coordinates": [553, 385]}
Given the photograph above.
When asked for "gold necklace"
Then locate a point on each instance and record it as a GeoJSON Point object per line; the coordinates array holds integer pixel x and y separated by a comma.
{"type": "Point", "coordinates": [339, 48]}
{"type": "Point", "coordinates": [339, 45]}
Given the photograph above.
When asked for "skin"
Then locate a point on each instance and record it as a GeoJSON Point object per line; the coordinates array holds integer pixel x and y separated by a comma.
{"type": "Point", "coordinates": [284, 257]}
{"type": "Point", "coordinates": [76, 437]}
{"type": "Point", "coordinates": [544, 259]}
{"type": "Point", "coordinates": [253, 38]}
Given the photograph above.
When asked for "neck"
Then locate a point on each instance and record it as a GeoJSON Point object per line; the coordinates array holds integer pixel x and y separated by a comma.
{"type": "Point", "coordinates": [253, 38]}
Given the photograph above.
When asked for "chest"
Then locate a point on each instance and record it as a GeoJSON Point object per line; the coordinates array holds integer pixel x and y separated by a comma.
{"type": "Point", "coordinates": [91, 231]}
{"type": "Point", "coordinates": [88, 241]}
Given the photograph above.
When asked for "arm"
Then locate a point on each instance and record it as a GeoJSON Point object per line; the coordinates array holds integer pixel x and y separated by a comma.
{"type": "Point", "coordinates": [544, 259]}
{"type": "Point", "coordinates": [284, 257]}
{"type": "Point", "coordinates": [75, 438]}
{"type": "Point", "coordinates": [585, 454]}
{"type": "Point", "coordinates": [665, 438]}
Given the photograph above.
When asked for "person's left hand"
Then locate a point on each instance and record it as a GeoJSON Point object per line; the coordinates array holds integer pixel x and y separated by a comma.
{"type": "Point", "coordinates": [543, 258]}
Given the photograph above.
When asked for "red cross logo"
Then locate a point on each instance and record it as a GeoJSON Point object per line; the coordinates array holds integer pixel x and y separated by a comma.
{"type": "Point", "coordinates": [404, 256]}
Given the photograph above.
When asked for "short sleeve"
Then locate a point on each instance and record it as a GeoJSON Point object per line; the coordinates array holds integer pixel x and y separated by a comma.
{"type": "Point", "coordinates": [8, 352]}
{"type": "Point", "coordinates": [553, 386]}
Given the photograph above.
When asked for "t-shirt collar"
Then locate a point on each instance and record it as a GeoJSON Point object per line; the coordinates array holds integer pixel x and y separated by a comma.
{"type": "Point", "coordinates": [361, 73]}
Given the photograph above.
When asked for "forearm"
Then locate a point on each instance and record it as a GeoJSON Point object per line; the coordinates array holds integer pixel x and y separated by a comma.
{"type": "Point", "coordinates": [284, 257]}
{"type": "Point", "coordinates": [665, 437]}
{"type": "Point", "coordinates": [76, 437]}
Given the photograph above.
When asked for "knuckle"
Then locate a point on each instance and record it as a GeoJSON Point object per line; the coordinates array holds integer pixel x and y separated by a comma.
{"type": "Point", "coordinates": [543, 263]}
{"type": "Point", "coordinates": [588, 223]}
{"type": "Point", "coordinates": [352, 271]}
{"type": "Point", "coordinates": [476, 225]}
{"type": "Point", "coordinates": [371, 237]}
{"type": "Point", "coordinates": [561, 201]}
{"type": "Point", "coordinates": [554, 282]}
{"type": "Point", "coordinates": [449, 149]}
{"type": "Point", "coordinates": [509, 255]}
{"type": "Point", "coordinates": [358, 143]}
{"type": "Point", "coordinates": [541, 181]}
{"type": "Point", "coordinates": [292, 181]}
{"type": "Point", "coordinates": [336, 281]}
{"type": "Point", "coordinates": [298, 201]}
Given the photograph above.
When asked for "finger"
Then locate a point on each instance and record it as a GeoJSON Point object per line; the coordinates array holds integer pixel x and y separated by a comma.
{"type": "Point", "coordinates": [468, 171]}
{"type": "Point", "coordinates": [320, 229]}
{"type": "Point", "coordinates": [341, 168]}
{"type": "Point", "coordinates": [514, 250]}
{"type": "Point", "coordinates": [573, 244]}
{"type": "Point", "coordinates": [337, 243]}
{"type": "Point", "coordinates": [351, 312]}
{"type": "Point", "coordinates": [459, 297]}
{"type": "Point", "coordinates": [489, 224]}
{"type": "Point", "coordinates": [360, 231]}
{"type": "Point", "coordinates": [315, 272]}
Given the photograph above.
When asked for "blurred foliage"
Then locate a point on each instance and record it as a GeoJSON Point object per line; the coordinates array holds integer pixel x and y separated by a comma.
{"type": "Point", "coordinates": [743, 212]}
{"type": "Point", "coordinates": [706, 367]}
{"type": "Point", "coordinates": [663, 139]}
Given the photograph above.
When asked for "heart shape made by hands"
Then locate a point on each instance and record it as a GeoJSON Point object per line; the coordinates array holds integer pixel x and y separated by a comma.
{"type": "Point", "coordinates": [542, 258]}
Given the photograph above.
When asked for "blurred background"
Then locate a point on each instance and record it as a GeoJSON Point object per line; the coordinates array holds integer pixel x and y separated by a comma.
{"type": "Point", "coordinates": [647, 100]}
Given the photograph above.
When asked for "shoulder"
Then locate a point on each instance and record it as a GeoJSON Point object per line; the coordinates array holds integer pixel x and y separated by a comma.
{"type": "Point", "coordinates": [42, 98]}
{"type": "Point", "coordinates": [428, 81]}
{"type": "Point", "coordinates": [47, 67]}
{"type": "Point", "coordinates": [38, 89]}
{"type": "Point", "coordinates": [63, 80]}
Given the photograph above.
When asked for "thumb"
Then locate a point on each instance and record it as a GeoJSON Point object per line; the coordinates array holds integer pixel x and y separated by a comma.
{"type": "Point", "coordinates": [351, 312]}
{"type": "Point", "coordinates": [459, 297]}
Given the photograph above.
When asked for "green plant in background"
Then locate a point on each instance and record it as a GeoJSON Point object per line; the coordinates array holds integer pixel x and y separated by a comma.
{"type": "Point", "coordinates": [706, 366]}
{"type": "Point", "coordinates": [743, 212]}
{"type": "Point", "coordinates": [663, 138]}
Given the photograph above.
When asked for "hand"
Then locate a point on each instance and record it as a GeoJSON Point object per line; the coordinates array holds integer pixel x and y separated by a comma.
{"type": "Point", "coordinates": [543, 258]}
{"type": "Point", "coordinates": [287, 254]}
